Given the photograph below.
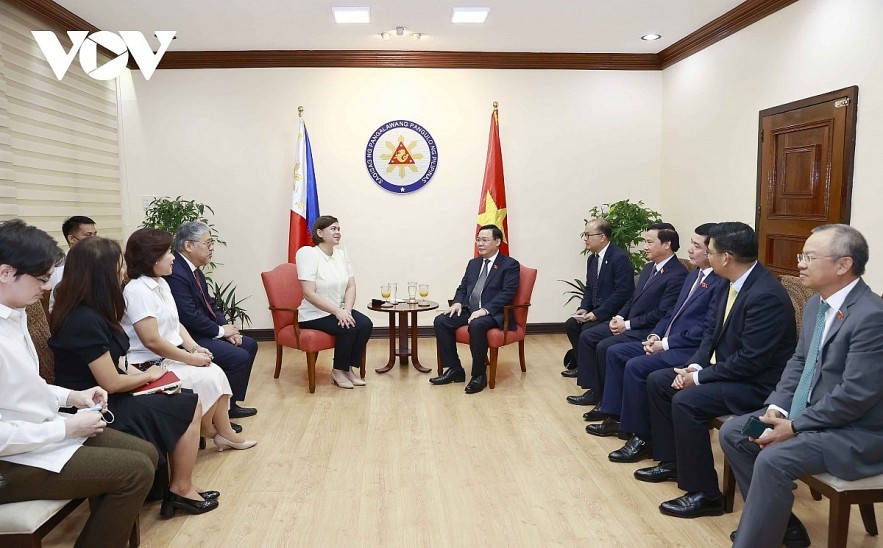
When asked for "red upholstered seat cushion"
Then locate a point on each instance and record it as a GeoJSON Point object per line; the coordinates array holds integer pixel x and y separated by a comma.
{"type": "Point", "coordinates": [311, 340]}
{"type": "Point", "coordinates": [494, 336]}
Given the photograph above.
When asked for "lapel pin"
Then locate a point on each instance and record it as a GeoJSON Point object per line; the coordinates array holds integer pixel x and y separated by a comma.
{"type": "Point", "coordinates": [495, 267]}
{"type": "Point", "coordinates": [703, 285]}
{"type": "Point", "coordinates": [662, 270]}
{"type": "Point", "coordinates": [840, 315]}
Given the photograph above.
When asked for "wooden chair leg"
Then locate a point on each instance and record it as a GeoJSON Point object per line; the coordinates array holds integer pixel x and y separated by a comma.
{"type": "Point", "coordinates": [362, 365]}
{"type": "Point", "coordinates": [729, 487]}
{"type": "Point", "coordinates": [278, 361]}
{"type": "Point", "coordinates": [868, 518]}
{"type": "Point", "coordinates": [838, 522]}
{"type": "Point", "coordinates": [492, 379]}
{"type": "Point", "coordinates": [815, 494]}
{"type": "Point", "coordinates": [311, 370]}
{"type": "Point", "coordinates": [521, 356]}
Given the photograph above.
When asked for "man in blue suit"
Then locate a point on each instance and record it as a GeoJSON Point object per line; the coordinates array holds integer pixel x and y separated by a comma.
{"type": "Point", "coordinates": [232, 351]}
{"type": "Point", "coordinates": [737, 365]}
{"type": "Point", "coordinates": [610, 282]}
{"type": "Point", "coordinates": [490, 283]}
{"type": "Point", "coordinates": [655, 294]}
{"type": "Point", "coordinates": [672, 342]}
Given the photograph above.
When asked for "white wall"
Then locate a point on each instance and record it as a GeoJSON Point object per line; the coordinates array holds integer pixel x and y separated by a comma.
{"type": "Point", "coordinates": [711, 102]}
{"type": "Point", "coordinates": [227, 137]}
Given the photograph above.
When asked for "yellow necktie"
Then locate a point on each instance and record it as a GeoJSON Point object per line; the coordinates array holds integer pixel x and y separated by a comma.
{"type": "Point", "coordinates": [731, 298]}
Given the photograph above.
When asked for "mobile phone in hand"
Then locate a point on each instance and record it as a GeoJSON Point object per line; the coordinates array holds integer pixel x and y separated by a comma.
{"type": "Point", "coordinates": [755, 427]}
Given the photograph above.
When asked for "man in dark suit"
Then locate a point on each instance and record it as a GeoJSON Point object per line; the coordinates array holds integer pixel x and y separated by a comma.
{"type": "Point", "coordinates": [826, 413]}
{"type": "Point", "coordinates": [656, 292]}
{"type": "Point", "coordinates": [609, 284]}
{"type": "Point", "coordinates": [490, 283]}
{"type": "Point", "coordinates": [674, 339]}
{"type": "Point", "coordinates": [738, 363]}
{"type": "Point", "coordinates": [232, 351]}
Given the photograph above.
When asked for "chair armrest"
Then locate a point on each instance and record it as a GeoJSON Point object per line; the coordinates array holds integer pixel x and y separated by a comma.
{"type": "Point", "coordinates": [296, 323]}
{"type": "Point", "coordinates": [508, 308]}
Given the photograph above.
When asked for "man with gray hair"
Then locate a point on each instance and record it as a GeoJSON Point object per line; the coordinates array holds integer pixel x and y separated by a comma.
{"type": "Point", "coordinates": [826, 413]}
{"type": "Point", "coordinates": [232, 351]}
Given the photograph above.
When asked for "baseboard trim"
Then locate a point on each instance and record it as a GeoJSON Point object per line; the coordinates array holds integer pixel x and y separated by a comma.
{"type": "Point", "coordinates": [423, 332]}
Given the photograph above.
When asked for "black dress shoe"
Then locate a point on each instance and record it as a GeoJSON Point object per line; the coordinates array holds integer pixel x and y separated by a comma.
{"type": "Point", "coordinates": [634, 450]}
{"type": "Point", "coordinates": [664, 471]}
{"type": "Point", "coordinates": [594, 415]}
{"type": "Point", "coordinates": [607, 427]}
{"type": "Point", "coordinates": [453, 374]}
{"type": "Point", "coordinates": [570, 359]}
{"type": "Point", "coordinates": [795, 535]}
{"type": "Point", "coordinates": [172, 502]}
{"type": "Point", "coordinates": [693, 505]}
{"type": "Point", "coordinates": [586, 399]}
{"type": "Point", "coordinates": [210, 495]}
{"type": "Point", "coordinates": [477, 384]}
{"type": "Point", "coordinates": [570, 373]}
{"type": "Point", "coordinates": [237, 412]}
{"type": "Point", "coordinates": [236, 428]}
{"type": "Point", "coordinates": [201, 443]}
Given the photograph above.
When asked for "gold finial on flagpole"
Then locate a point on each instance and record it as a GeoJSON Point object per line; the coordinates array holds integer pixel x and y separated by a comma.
{"type": "Point", "coordinates": [496, 105]}
{"type": "Point", "coordinates": [300, 112]}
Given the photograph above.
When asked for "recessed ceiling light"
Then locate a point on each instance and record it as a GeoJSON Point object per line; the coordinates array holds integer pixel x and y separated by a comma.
{"type": "Point", "coordinates": [650, 37]}
{"type": "Point", "coordinates": [351, 15]}
{"type": "Point", "coordinates": [469, 15]}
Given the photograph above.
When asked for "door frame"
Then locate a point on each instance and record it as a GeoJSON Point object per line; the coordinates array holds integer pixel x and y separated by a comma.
{"type": "Point", "coordinates": [850, 93]}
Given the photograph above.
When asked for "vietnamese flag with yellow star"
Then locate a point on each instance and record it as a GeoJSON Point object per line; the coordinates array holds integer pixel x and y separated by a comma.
{"type": "Point", "coordinates": [492, 205]}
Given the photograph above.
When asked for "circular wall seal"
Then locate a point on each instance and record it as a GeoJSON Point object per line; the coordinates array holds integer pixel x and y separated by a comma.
{"type": "Point", "coordinates": [401, 156]}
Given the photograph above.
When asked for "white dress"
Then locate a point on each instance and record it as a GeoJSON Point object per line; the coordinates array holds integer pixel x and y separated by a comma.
{"type": "Point", "coordinates": [148, 297]}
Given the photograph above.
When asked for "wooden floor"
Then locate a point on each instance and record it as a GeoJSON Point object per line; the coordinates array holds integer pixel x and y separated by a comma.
{"type": "Point", "coordinates": [403, 463]}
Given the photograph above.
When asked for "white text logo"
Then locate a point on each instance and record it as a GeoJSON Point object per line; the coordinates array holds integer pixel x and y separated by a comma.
{"type": "Point", "coordinates": [127, 41]}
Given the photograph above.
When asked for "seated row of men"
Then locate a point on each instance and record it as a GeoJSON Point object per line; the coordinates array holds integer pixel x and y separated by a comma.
{"type": "Point", "coordinates": [660, 357]}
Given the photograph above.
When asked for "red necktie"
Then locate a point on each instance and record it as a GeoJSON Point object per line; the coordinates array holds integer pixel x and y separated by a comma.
{"type": "Point", "coordinates": [208, 306]}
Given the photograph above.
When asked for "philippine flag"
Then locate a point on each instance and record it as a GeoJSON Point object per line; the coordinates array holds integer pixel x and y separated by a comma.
{"type": "Point", "coordinates": [304, 197]}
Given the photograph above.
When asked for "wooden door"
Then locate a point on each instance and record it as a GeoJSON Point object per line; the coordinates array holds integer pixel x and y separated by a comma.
{"type": "Point", "coordinates": [804, 173]}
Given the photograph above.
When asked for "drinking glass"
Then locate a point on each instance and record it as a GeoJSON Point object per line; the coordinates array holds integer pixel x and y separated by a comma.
{"type": "Point", "coordinates": [412, 292]}
{"type": "Point", "coordinates": [385, 292]}
{"type": "Point", "coordinates": [424, 292]}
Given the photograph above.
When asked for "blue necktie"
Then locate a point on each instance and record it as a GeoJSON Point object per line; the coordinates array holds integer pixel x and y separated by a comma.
{"type": "Point", "coordinates": [801, 394]}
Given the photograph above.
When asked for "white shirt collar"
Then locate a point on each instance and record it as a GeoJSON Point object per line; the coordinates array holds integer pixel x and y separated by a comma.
{"type": "Point", "coordinates": [836, 300]}
{"type": "Point", "coordinates": [737, 285]}
{"type": "Point", "coordinates": [660, 266]}
{"type": "Point", "coordinates": [5, 311]}
{"type": "Point", "coordinates": [186, 260]}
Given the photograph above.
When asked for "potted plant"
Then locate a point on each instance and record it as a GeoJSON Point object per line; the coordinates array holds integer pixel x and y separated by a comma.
{"type": "Point", "coordinates": [628, 220]}
{"type": "Point", "coordinates": [169, 214]}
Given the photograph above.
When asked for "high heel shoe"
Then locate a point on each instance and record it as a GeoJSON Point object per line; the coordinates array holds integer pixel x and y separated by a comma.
{"type": "Point", "coordinates": [340, 378]}
{"type": "Point", "coordinates": [172, 502]}
{"type": "Point", "coordinates": [354, 378]}
{"type": "Point", "coordinates": [223, 443]}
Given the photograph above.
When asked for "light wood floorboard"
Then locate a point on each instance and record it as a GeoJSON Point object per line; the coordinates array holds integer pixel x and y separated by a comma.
{"type": "Point", "coordinates": [401, 463]}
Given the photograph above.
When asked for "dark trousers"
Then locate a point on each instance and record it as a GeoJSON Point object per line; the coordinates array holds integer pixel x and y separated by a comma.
{"type": "Point", "coordinates": [446, 340]}
{"type": "Point", "coordinates": [351, 341]}
{"type": "Point", "coordinates": [113, 469]}
{"type": "Point", "coordinates": [592, 355]}
{"type": "Point", "coordinates": [236, 361]}
{"type": "Point", "coordinates": [679, 423]}
{"type": "Point", "coordinates": [574, 328]}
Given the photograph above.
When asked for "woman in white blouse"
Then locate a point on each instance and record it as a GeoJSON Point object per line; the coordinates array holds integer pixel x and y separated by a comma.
{"type": "Point", "coordinates": [329, 287]}
{"type": "Point", "coordinates": [156, 337]}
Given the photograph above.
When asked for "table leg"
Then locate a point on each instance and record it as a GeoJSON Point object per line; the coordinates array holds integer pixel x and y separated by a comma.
{"type": "Point", "coordinates": [414, 359]}
{"type": "Point", "coordinates": [392, 345]}
{"type": "Point", "coordinates": [404, 351]}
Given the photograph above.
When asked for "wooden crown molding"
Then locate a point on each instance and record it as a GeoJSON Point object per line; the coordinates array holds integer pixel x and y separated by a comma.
{"type": "Point", "coordinates": [408, 59]}
{"type": "Point", "coordinates": [733, 21]}
{"type": "Point", "coordinates": [743, 15]}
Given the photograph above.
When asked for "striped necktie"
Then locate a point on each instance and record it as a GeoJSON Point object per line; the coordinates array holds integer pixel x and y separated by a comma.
{"type": "Point", "coordinates": [801, 393]}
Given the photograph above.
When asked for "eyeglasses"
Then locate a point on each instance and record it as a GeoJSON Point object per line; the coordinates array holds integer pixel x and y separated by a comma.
{"type": "Point", "coordinates": [589, 234]}
{"type": "Point", "coordinates": [807, 259]}
{"type": "Point", "coordinates": [708, 254]}
{"type": "Point", "coordinates": [208, 243]}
